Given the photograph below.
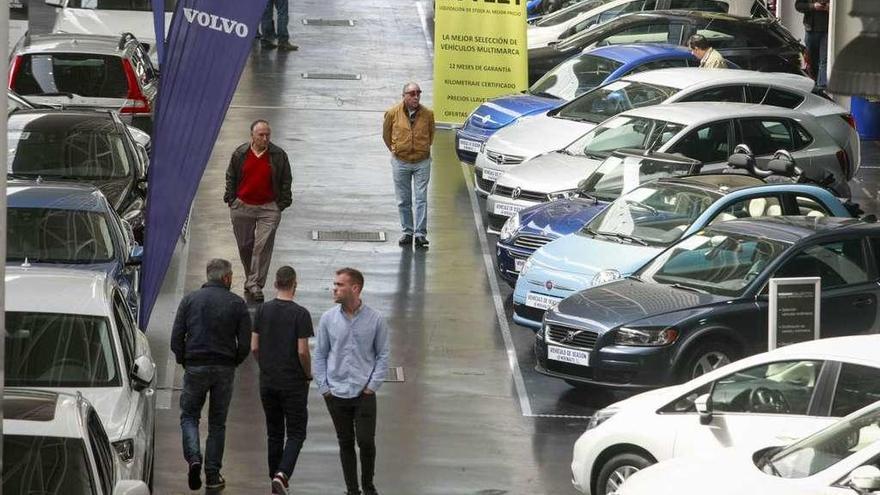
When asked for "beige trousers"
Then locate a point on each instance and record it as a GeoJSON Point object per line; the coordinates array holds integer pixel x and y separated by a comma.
{"type": "Point", "coordinates": [254, 227]}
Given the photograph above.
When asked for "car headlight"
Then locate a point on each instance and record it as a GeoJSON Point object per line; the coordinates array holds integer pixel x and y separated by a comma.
{"type": "Point", "coordinates": [606, 276]}
{"type": "Point", "coordinates": [526, 266]}
{"type": "Point", "coordinates": [568, 193]}
{"type": "Point", "coordinates": [645, 337]}
{"type": "Point", "coordinates": [600, 417]}
{"type": "Point", "coordinates": [125, 449]}
{"type": "Point", "coordinates": [510, 227]}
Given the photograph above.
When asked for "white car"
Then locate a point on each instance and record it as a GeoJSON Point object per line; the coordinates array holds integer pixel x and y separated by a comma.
{"type": "Point", "coordinates": [111, 17]}
{"type": "Point", "coordinates": [55, 443]}
{"type": "Point", "coordinates": [841, 459]}
{"type": "Point", "coordinates": [768, 399]}
{"type": "Point", "coordinates": [534, 135]}
{"type": "Point", "coordinates": [703, 131]}
{"type": "Point", "coordinates": [83, 340]}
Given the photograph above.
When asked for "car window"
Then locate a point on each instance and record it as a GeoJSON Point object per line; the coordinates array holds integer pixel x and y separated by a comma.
{"type": "Point", "coordinates": [575, 76]}
{"type": "Point", "coordinates": [764, 206]}
{"type": "Point", "coordinates": [685, 403]}
{"type": "Point", "coordinates": [88, 75]}
{"type": "Point", "coordinates": [764, 136]}
{"type": "Point", "coordinates": [733, 93]}
{"type": "Point", "coordinates": [780, 98]}
{"type": "Point", "coordinates": [624, 132]}
{"type": "Point", "coordinates": [857, 386]}
{"type": "Point", "coordinates": [569, 13]}
{"type": "Point", "coordinates": [646, 33]}
{"type": "Point", "coordinates": [62, 464]}
{"type": "Point", "coordinates": [838, 263]}
{"type": "Point", "coordinates": [809, 207]}
{"type": "Point", "coordinates": [614, 98]}
{"type": "Point", "coordinates": [784, 387]}
{"type": "Point", "coordinates": [44, 235]}
{"type": "Point", "coordinates": [707, 144]}
{"type": "Point", "coordinates": [102, 451]}
{"type": "Point", "coordinates": [126, 331]}
{"type": "Point", "coordinates": [721, 37]}
{"type": "Point", "coordinates": [139, 5]}
{"type": "Point", "coordinates": [660, 64]}
{"type": "Point", "coordinates": [704, 5]}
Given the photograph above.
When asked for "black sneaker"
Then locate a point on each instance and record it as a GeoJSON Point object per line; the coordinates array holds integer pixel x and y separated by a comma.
{"type": "Point", "coordinates": [268, 44]}
{"type": "Point", "coordinates": [214, 481]}
{"type": "Point", "coordinates": [279, 484]}
{"type": "Point", "coordinates": [194, 475]}
{"type": "Point", "coordinates": [287, 46]}
{"type": "Point", "coordinates": [422, 242]}
{"type": "Point", "coordinates": [405, 240]}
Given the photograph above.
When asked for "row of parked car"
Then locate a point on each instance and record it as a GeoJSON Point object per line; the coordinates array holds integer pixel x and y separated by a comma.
{"type": "Point", "coordinates": [79, 403]}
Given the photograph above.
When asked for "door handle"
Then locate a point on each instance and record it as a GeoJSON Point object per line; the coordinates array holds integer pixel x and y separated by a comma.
{"type": "Point", "coordinates": [863, 302]}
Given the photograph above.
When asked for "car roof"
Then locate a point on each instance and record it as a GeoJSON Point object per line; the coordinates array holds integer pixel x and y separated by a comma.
{"type": "Point", "coordinates": [787, 229]}
{"type": "Point", "coordinates": [717, 183]}
{"type": "Point", "coordinates": [74, 291]}
{"type": "Point", "coordinates": [633, 52]}
{"type": "Point", "coordinates": [71, 43]}
{"type": "Point", "coordinates": [856, 347]}
{"type": "Point", "coordinates": [53, 118]}
{"type": "Point", "coordinates": [698, 112]}
{"type": "Point", "coordinates": [59, 196]}
{"type": "Point", "coordinates": [40, 413]}
{"type": "Point", "coordinates": [684, 77]}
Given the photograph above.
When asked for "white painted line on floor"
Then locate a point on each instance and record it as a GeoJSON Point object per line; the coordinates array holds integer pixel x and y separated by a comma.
{"type": "Point", "coordinates": [559, 416]}
{"type": "Point", "coordinates": [524, 404]}
{"type": "Point", "coordinates": [424, 20]}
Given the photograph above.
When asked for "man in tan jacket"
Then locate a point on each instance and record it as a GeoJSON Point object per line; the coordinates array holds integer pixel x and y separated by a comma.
{"type": "Point", "coordinates": [709, 58]}
{"type": "Point", "coordinates": [408, 132]}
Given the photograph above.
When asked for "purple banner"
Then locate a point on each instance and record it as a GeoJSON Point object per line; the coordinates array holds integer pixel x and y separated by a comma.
{"type": "Point", "coordinates": [159, 27]}
{"type": "Point", "coordinates": [207, 46]}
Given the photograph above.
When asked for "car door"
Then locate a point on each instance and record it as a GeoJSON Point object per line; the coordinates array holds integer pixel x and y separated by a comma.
{"type": "Point", "coordinates": [709, 143]}
{"type": "Point", "coordinates": [767, 404]}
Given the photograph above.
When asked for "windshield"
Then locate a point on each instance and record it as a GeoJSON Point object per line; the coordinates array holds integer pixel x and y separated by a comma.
{"type": "Point", "coordinates": [569, 13]}
{"type": "Point", "coordinates": [575, 76]}
{"type": "Point", "coordinates": [59, 350]}
{"type": "Point", "coordinates": [45, 465]}
{"type": "Point", "coordinates": [619, 174]}
{"type": "Point", "coordinates": [44, 235]}
{"type": "Point", "coordinates": [86, 75]}
{"type": "Point", "coordinates": [138, 5]}
{"type": "Point", "coordinates": [614, 98]}
{"type": "Point", "coordinates": [718, 263]}
{"type": "Point", "coordinates": [624, 132]}
{"type": "Point", "coordinates": [825, 448]}
{"type": "Point", "coordinates": [80, 152]}
{"type": "Point", "coordinates": [656, 214]}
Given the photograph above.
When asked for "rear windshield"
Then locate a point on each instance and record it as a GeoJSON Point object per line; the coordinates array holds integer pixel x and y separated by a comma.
{"type": "Point", "coordinates": [46, 235]}
{"type": "Point", "coordinates": [139, 5]}
{"type": "Point", "coordinates": [34, 465]}
{"type": "Point", "coordinates": [83, 74]}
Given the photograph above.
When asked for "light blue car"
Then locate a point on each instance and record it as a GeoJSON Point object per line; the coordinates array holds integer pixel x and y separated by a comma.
{"type": "Point", "coordinates": [642, 223]}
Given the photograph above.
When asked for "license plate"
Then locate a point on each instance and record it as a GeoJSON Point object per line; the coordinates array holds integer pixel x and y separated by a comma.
{"type": "Point", "coordinates": [540, 301]}
{"type": "Point", "coordinates": [468, 145]}
{"type": "Point", "coordinates": [506, 209]}
{"type": "Point", "coordinates": [518, 264]}
{"type": "Point", "coordinates": [565, 355]}
{"type": "Point", "coordinates": [490, 174]}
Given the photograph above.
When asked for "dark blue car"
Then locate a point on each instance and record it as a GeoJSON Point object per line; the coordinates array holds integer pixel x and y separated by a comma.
{"type": "Point", "coordinates": [535, 226]}
{"type": "Point", "coordinates": [565, 82]}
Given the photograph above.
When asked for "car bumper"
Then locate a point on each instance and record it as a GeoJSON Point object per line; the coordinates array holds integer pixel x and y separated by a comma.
{"type": "Point", "coordinates": [500, 208]}
{"type": "Point", "coordinates": [469, 141]}
{"type": "Point", "coordinates": [509, 261]}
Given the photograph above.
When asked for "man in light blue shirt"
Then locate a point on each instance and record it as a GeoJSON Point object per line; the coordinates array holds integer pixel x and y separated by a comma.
{"type": "Point", "coordinates": [350, 362]}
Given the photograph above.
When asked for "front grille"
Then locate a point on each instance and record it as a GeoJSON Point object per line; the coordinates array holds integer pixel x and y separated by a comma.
{"type": "Point", "coordinates": [528, 312]}
{"type": "Point", "coordinates": [502, 159]}
{"type": "Point", "coordinates": [582, 339]}
{"type": "Point", "coordinates": [514, 254]}
{"type": "Point", "coordinates": [523, 194]}
{"type": "Point", "coordinates": [530, 241]}
{"type": "Point", "coordinates": [496, 221]}
{"type": "Point", "coordinates": [484, 184]}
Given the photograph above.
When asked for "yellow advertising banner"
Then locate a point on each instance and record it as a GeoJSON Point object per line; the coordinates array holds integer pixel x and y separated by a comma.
{"type": "Point", "coordinates": [480, 52]}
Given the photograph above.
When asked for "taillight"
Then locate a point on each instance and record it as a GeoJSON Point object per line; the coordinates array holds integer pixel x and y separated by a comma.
{"type": "Point", "coordinates": [849, 119]}
{"type": "Point", "coordinates": [13, 70]}
{"type": "Point", "coordinates": [806, 63]}
{"type": "Point", "coordinates": [843, 160]}
{"type": "Point", "coordinates": [135, 102]}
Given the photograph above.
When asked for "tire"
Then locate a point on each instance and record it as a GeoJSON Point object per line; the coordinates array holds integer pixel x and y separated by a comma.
{"type": "Point", "coordinates": [618, 469]}
{"type": "Point", "coordinates": [705, 357]}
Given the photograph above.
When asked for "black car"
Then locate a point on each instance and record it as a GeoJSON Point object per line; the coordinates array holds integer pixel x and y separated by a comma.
{"type": "Point", "coordinates": [761, 44]}
{"type": "Point", "coordinates": [703, 302]}
{"type": "Point", "coordinates": [87, 146]}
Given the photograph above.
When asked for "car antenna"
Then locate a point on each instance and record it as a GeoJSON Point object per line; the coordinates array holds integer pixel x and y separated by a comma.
{"type": "Point", "coordinates": [26, 263]}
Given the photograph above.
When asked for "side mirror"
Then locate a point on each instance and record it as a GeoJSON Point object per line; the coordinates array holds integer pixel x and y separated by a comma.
{"type": "Point", "coordinates": [136, 257]}
{"type": "Point", "coordinates": [142, 373]}
{"type": "Point", "coordinates": [865, 478]}
{"type": "Point", "coordinates": [704, 409]}
{"type": "Point", "coordinates": [131, 487]}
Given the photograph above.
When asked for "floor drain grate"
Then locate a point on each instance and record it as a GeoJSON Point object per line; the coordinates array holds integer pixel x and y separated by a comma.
{"type": "Point", "coordinates": [395, 374]}
{"type": "Point", "coordinates": [328, 22]}
{"type": "Point", "coordinates": [331, 75]}
{"type": "Point", "coordinates": [348, 235]}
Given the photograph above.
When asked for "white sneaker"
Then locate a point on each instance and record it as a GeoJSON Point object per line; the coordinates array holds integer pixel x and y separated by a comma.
{"type": "Point", "coordinates": [279, 484]}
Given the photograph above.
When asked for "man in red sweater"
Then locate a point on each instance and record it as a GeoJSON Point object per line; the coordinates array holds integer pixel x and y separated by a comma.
{"type": "Point", "coordinates": [258, 189]}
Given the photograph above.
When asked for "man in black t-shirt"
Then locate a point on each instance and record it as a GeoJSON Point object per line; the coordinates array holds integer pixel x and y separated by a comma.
{"type": "Point", "coordinates": [280, 341]}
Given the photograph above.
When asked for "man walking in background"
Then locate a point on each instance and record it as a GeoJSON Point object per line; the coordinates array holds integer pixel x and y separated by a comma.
{"type": "Point", "coordinates": [351, 361]}
{"type": "Point", "coordinates": [709, 58]}
{"type": "Point", "coordinates": [408, 132]}
{"type": "Point", "coordinates": [276, 30]}
{"type": "Point", "coordinates": [280, 343]}
{"type": "Point", "coordinates": [258, 189]}
{"type": "Point", "coordinates": [210, 337]}
{"type": "Point", "coordinates": [816, 36]}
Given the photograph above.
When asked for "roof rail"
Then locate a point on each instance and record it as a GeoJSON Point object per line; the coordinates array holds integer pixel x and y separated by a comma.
{"type": "Point", "coordinates": [123, 39]}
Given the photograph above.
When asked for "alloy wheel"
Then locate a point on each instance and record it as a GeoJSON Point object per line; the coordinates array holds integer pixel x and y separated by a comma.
{"type": "Point", "coordinates": [617, 477]}
{"type": "Point", "coordinates": [708, 362]}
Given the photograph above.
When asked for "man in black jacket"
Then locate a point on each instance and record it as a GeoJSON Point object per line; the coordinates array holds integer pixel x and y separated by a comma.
{"type": "Point", "coordinates": [211, 336]}
{"type": "Point", "coordinates": [258, 189]}
{"type": "Point", "coordinates": [816, 36]}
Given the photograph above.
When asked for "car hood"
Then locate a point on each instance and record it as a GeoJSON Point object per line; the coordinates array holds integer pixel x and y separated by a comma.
{"type": "Point", "coordinates": [550, 172]}
{"type": "Point", "coordinates": [560, 217]}
{"type": "Point", "coordinates": [110, 22]}
{"type": "Point", "coordinates": [500, 112]}
{"type": "Point", "coordinates": [112, 405]}
{"type": "Point", "coordinates": [628, 301]}
{"type": "Point", "coordinates": [585, 256]}
{"type": "Point", "coordinates": [536, 134]}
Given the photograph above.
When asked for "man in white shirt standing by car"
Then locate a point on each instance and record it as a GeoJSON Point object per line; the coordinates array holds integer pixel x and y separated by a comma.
{"type": "Point", "coordinates": [709, 57]}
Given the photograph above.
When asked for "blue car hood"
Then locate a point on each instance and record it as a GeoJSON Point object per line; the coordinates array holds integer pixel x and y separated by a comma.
{"type": "Point", "coordinates": [560, 217]}
{"type": "Point", "coordinates": [585, 256]}
{"type": "Point", "coordinates": [500, 112]}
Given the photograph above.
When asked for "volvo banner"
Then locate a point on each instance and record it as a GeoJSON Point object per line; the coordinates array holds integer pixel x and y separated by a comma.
{"type": "Point", "coordinates": [480, 52]}
{"type": "Point", "coordinates": [207, 46]}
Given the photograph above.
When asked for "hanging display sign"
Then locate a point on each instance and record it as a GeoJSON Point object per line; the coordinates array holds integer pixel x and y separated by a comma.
{"type": "Point", "coordinates": [480, 52]}
{"type": "Point", "coordinates": [794, 310]}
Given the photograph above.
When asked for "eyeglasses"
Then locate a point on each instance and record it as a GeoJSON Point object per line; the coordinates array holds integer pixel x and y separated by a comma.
{"type": "Point", "coordinates": [413, 93]}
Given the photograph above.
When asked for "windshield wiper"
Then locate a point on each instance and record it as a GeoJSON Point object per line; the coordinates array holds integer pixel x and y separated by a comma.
{"type": "Point", "coordinates": [625, 237]}
{"type": "Point", "coordinates": [765, 461]}
{"type": "Point", "coordinates": [688, 288]}
{"type": "Point", "coordinates": [565, 151]}
{"type": "Point", "coordinates": [594, 156]}
{"type": "Point", "coordinates": [58, 93]}
{"type": "Point", "coordinates": [642, 205]}
{"type": "Point", "coordinates": [545, 95]}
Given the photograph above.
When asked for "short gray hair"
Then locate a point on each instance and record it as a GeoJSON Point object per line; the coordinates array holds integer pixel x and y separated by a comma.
{"type": "Point", "coordinates": [218, 269]}
{"type": "Point", "coordinates": [411, 83]}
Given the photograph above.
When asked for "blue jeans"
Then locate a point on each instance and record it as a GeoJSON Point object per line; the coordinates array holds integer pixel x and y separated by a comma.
{"type": "Point", "coordinates": [268, 27]}
{"type": "Point", "coordinates": [198, 382]}
{"type": "Point", "coordinates": [287, 415]}
{"type": "Point", "coordinates": [407, 175]}
{"type": "Point", "coordinates": [817, 48]}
